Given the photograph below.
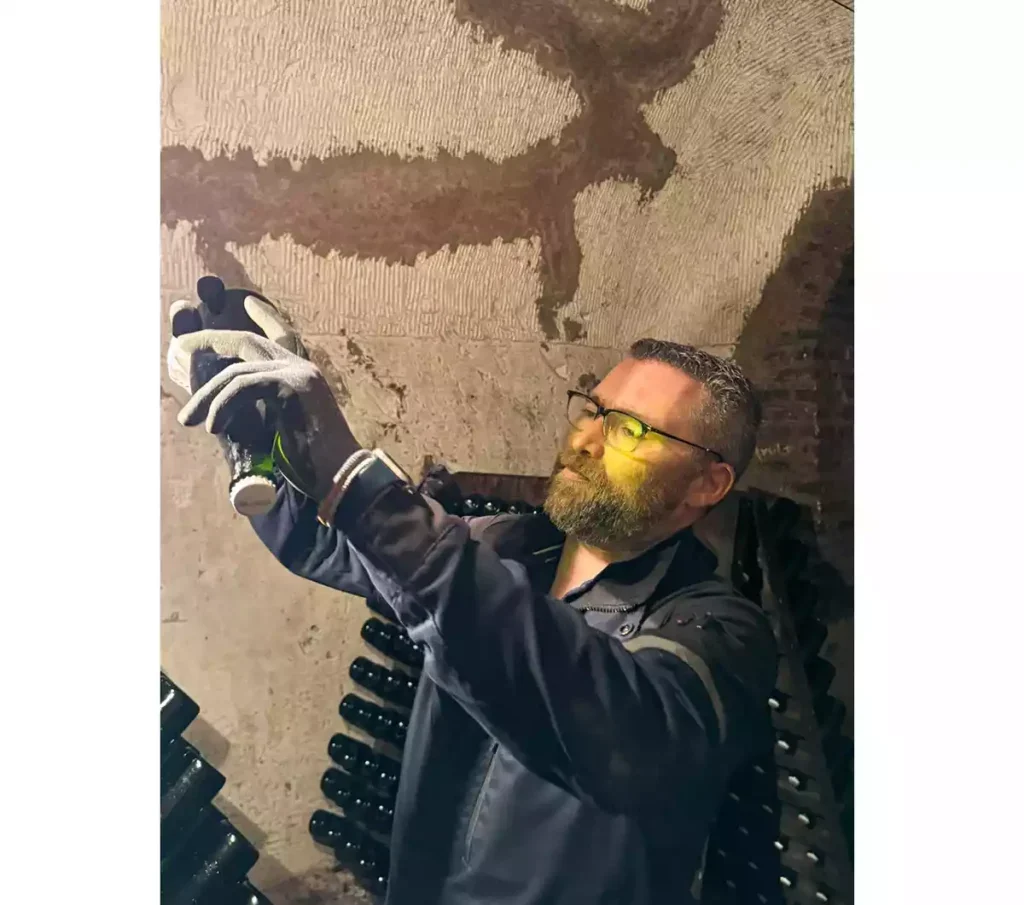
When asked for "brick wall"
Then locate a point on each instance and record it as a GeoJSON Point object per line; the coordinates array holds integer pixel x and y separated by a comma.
{"type": "Point", "coordinates": [797, 347]}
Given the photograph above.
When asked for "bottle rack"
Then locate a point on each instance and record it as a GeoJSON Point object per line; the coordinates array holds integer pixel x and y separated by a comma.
{"type": "Point", "coordinates": [203, 858]}
{"type": "Point", "coordinates": [784, 835]}
{"type": "Point", "coordinates": [364, 777]}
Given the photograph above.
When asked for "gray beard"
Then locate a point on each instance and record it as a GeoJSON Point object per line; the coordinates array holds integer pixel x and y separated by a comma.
{"type": "Point", "coordinates": [599, 515]}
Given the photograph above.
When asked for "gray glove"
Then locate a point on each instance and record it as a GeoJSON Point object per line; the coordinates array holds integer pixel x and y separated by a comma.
{"type": "Point", "coordinates": [315, 439]}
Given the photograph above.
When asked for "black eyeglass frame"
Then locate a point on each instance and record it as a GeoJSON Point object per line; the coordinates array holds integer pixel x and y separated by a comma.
{"type": "Point", "coordinates": [602, 411]}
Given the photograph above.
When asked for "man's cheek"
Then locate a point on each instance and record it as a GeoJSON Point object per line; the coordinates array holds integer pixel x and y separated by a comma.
{"type": "Point", "coordinates": [622, 469]}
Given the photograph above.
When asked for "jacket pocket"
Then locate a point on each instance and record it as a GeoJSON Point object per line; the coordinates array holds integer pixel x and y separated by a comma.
{"type": "Point", "coordinates": [478, 805]}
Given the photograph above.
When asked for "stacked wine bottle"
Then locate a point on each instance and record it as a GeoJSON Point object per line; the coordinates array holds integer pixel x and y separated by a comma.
{"type": "Point", "coordinates": [203, 858]}
{"type": "Point", "coordinates": [364, 779]}
{"type": "Point", "coordinates": [785, 832]}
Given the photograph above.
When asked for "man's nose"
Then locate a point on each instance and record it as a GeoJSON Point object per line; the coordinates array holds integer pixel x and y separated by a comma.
{"type": "Point", "coordinates": [589, 439]}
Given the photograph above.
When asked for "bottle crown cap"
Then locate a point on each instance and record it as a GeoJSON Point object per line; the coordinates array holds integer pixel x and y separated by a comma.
{"type": "Point", "coordinates": [253, 495]}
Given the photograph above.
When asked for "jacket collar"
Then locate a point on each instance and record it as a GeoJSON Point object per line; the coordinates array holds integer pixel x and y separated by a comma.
{"type": "Point", "coordinates": [679, 561]}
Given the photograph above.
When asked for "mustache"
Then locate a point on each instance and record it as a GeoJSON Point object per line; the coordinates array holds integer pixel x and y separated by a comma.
{"type": "Point", "coordinates": [584, 467]}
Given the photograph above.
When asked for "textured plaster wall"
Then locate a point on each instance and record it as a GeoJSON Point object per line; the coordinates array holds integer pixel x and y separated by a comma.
{"type": "Point", "coordinates": [467, 207]}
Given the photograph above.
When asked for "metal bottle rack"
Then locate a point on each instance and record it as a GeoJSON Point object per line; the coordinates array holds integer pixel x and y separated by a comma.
{"type": "Point", "coordinates": [784, 835]}
{"type": "Point", "coordinates": [203, 858]}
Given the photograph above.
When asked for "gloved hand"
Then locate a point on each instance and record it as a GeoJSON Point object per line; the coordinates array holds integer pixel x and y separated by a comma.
{"type": "Point", "coordinates": [315, 437]}
{"type": "Point", "coordinates": [220, 308]}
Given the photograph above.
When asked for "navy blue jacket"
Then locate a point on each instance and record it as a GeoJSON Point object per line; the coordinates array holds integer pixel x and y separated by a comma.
{"type": "Point", "coordinates": [560, 752]}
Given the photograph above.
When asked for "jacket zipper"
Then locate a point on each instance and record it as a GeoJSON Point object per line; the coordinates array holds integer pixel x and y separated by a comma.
{"type": "Point", "coordinates": [478, 805]}
{"type": "Point", "coordinates": [624, 608]}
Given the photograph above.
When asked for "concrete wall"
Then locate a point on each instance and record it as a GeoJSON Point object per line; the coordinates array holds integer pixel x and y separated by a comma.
{"type": "Point", "coordinates": [468, 207]}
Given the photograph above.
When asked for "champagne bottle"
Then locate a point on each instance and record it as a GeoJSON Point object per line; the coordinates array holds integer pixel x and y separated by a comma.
{"type": "Point", "coordinates": [378, 605]}
{"type": "Point", "coordinates": [247, 894]}
{"type": "Point", "coordinates": [216, 859]}
{"type": "Point", "coordinates": [820, 674]}
{"type": "Point", "coordinates": [796, 822]}
{"type": "Point", "coordinates": [816, 857]}
{"type": "Point", "coordinates": [378, 770]}
{"type": "Point", "coordinates": [337, 833]}
{"type": "Point", "coordinates": [350, 843]}
{"type": "Point", "coordinates": [394, 687]}
{"type": "Point", "coordinates": [830, 712]}
{"type": "Point", "coordinates": [177, 710]}
{"type": "Point", "coordinates": [381, 722]}
{"type": "Point", "coordinates": [811, 637]}
{"type": "Point", "coordinates": [786, 743]}
{"type": "Point", "coordinates": [358, 802]}
{"type": "Point", "coordinates": [392, 641]}
{"type": "Point", "coordinates": [187, 785]}
{"type": "Point", "coordinates": [796, 780]}
{"type": "Point", "coordinates": [252, 490]}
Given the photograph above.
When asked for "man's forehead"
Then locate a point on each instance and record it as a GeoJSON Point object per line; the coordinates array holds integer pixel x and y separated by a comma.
{"type": "Point", "coordinates": [651, 390]}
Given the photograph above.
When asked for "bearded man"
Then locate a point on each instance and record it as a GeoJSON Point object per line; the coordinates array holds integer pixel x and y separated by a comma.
{"type": "Point", "coordinates": [588, 684]}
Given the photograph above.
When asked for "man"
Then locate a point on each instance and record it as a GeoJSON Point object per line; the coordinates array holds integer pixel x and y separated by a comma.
{"type": "Point", "coordinates": [588, 685]}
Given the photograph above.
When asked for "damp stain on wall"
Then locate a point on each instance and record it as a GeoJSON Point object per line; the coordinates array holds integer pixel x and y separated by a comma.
{"type": "Point", "coordinates": [372, 204]}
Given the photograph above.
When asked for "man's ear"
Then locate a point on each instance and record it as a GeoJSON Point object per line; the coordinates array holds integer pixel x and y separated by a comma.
{"type": "Point", "coordinates": [711, 487]}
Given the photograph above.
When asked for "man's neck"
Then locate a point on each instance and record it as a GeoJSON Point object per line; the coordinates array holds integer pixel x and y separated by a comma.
{"type": "Point", "coordinates": [582, 562]}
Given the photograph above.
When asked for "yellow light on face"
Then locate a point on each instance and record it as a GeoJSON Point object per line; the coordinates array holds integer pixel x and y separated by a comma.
{"type": "Point", "coordinates": [624, 469]}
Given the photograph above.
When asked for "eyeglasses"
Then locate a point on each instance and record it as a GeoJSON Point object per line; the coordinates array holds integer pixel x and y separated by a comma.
{"type": "Point", "coordinates": [622, 430]}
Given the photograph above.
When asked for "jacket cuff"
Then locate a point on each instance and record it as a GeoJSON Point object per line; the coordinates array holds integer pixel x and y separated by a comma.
{"type": "Point", "coordinates": [398, 531]}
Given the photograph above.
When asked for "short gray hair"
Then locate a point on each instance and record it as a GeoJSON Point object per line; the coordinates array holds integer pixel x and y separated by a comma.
{"type": "Point", "coordinates": [730, 414]}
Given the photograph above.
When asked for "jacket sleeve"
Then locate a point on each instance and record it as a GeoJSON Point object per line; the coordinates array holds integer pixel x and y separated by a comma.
{"type": "Point", "coordinates": [608, 721]}
{"type": "Point", "coordinates": [303, 546]}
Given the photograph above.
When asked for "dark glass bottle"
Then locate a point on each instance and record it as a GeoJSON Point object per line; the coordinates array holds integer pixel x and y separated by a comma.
{"type": "Point", "coordinates": [795, 780]}
{"type": "Point", "coordinates": [786, 743]}
{"type": "Point", "coordinates": [811, 636]}
{"type": "Point", "coordinates": [251, 490]}
{"type": "Point", "coordinates": [187, 785]}
{"type": "Point", "coordinates": [334, 830]}
{"type": "Point", "coordinates": [392, 641]}
{"type": "Point", "coordinates": [394, 687]}
{"type": "Point", "coordinates": [830, 712]}
{"type": "Point", "coordinates": [381, 722]}
{"type": "Point", "coordinates": [216, 858]}
{"type": "Point", "coordinates": [802, 601]}
{"type": "Point", "coordinates": [820, 674]}
{"type": "Point", "coordinates": [359, 803]}
{"type": "Point", "coordinates": [376, 881]}
{"type": "Point", "coordinates": [797, 821]}
{"type": "Point", "coordinates": [788, 877]}
{"type": "Point", "coordinates": [378, 605]}
{"type": "Point", "coordinates": [372, 868]}
{"type": "Point", "coordinates": [473, 505]}
{"type": "Point", "coordinates": [247, 894]}
{"type": "Point", "coordinates": [350, 843]}
{"type": "Point", "coordinates": [377, 770]}
{"type": "Point", "coordinates": [177, 710]}
{"type": "Point", "coordinates": [492, 507]}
